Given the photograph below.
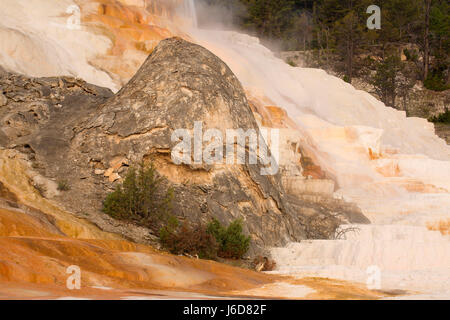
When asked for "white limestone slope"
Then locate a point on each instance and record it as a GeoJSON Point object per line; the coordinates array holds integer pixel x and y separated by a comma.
{"type": "Point", "coordinates": [395, 168]}
{"type": "Point", "coordinates": [35, 41]}
{"type": "Point", "coordinates": [408, 258]}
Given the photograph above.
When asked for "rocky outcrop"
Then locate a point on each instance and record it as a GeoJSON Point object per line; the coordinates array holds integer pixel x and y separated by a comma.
{"type": "Point", "coordinates": [180, 84]}
{"type": "Point", "coordinates": [74, 131]}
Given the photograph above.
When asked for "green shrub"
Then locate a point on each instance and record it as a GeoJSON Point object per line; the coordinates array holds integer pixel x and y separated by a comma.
{"type": "Point", "coordinates": [232, 242]}
{"type": "Point", "coordinates": [208, 242]}
{"type": "Point", "coordinates": [291, 63]}
{"type": "Point", "coordinates": [443, 117]}
{"type": "Point", "coordinates": [139, 198]}
{"type": "Point", "coordinates": [411, 55]}
{"type": "Point", "coordinates": [63, 185]}
{"type": "Point", "coordinates": [169, 229]}
{"type": "Point", "coordinates": [185, 239]}
{"type": "Point", "coordinates": [436, 82]}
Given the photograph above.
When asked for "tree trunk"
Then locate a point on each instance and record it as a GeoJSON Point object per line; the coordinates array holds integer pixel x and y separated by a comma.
{"type": "Point", "coordinates": [350, 53]}
{"type": "Point", "coordinates": [327, 44]}
{"type": "Point", "coordinates": [426, 46]}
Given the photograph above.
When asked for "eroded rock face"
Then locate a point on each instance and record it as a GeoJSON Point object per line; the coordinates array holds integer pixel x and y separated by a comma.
{"type": "Point", "coordinates": [180, 84]}
{"type": "Point", "coordinates": [77, 132]}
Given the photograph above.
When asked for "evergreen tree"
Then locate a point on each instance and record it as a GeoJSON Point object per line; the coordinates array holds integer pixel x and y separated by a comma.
{"type": "Point", "coordinates": [338, 29]}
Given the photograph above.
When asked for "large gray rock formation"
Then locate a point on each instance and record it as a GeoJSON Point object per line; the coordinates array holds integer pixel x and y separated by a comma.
{"type": "Point", "coordinates": [79, 132]}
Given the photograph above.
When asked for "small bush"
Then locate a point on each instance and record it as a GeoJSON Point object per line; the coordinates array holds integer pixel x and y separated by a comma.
{"type": "Point", "coordinates": [232, 242]}
{"type": "Point", "coordinates": [188, 240]}
{"type": "Point", "coordinates": [436, 82]}
{"type": "Point", "coordinates": [442, 118]}
{"type": "Point", "coordinates": [411, 55]}
{"type": "Point", "coordinates": [291, 63]}
{"type": "Point", "coordinates": [63, 185]}
{"type": "Point", "coordinates": [140, 198]}
{"type": "Point", "coordinates": [169, 229]}
{"type": "Point", "coordinates": [208, 242]}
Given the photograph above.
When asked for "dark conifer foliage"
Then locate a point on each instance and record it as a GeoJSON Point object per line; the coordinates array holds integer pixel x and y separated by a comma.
{"type": "Point", "coordinates": [337, 29]}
